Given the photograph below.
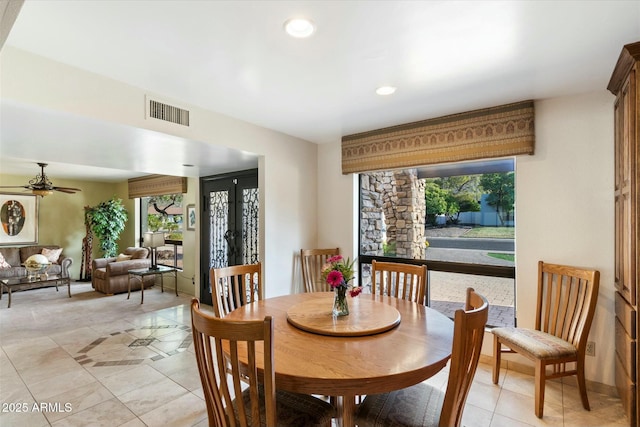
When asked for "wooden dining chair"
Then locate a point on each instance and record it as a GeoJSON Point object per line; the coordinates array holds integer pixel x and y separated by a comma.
{"type": "Point", "coordinates": [399, 280]}
{"type": "Point", "coordinates": [246, 396]}
{"type": "Point", "coordinates": [422, 404]}
{"type": "Point", "coordinates": [235, 286]}
{"type": "Point", "coordinates": [312, 261]}
{"type": "Point", "coordinates": [566, 303]}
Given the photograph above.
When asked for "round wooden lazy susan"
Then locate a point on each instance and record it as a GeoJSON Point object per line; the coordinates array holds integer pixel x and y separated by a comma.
{"type": "Point", "coordinates": [366, 317]}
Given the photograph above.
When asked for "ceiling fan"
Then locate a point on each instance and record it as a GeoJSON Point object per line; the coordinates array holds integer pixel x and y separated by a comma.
{"type": "Point", "coordinates": [42, 186]}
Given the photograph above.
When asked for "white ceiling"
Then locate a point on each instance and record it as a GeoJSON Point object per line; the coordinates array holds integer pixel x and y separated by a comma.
{"type": "Point", "coordinates": [233, 57]}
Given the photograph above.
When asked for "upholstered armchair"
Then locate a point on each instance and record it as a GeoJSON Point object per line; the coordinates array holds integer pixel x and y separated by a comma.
{"type": "Point", "coordinates": [110, 275]}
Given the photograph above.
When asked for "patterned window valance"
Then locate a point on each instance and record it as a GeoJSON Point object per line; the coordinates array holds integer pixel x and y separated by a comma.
{"type": "Point", "coordinates": [492, 132]}
{"type": "Point", "coordinates": [156, 185]}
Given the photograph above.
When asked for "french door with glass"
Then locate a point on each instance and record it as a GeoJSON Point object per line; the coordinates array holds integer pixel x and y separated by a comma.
{"type": "Point", "coordinates": [229, 223]}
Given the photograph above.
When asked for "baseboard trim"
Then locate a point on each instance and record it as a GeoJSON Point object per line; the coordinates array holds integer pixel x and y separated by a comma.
{"type": "Point", "coordinates": [594, 386]}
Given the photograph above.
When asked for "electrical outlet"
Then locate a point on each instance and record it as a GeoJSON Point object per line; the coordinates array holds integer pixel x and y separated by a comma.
{"type": "Point", "coordinates": [193, 280]}
{"type": "Point", "coordinates": [591, 348]}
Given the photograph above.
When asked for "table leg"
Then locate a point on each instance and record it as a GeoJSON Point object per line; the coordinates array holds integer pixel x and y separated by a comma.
{"type": "Point", "coordinates": [346, 408]}
{"type": "Point", "coordinates": [175, 280]}
{"type": "Point", "coordinates": [141, 289]}
{"type": "Point", "coordinates": [161, 282]}
{"type": "Point", "coordinates": [69, 286]}
{"type": "Point", "coordinates": [129, 287]}
{"type": "Point", "coordinates": [9, 292]}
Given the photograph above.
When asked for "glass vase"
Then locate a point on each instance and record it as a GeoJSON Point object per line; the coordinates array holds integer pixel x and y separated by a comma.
{"type": "Point", "coordinates": [340, 306]}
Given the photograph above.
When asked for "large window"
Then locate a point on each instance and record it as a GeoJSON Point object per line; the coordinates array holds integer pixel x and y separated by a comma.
{"type": "Point", "coordinates": [458, 219]}
{"type": "Point", "coordinates": [165, 213]}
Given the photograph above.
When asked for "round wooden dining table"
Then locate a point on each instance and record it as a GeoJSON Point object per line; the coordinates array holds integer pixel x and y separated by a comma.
{"type": "Point", "coordinates": [333, 358]}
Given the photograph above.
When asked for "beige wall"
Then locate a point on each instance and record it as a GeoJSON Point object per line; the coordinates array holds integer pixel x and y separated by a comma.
{"type": "Point", "coordinates": [564, 208]}
{"type": "Point", "coordinates": [190, 245]}
{"type": "Point", "coordinates": [337, 203]}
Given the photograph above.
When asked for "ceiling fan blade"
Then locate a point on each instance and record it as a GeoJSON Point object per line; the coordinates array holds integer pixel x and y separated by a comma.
{"type": "Point", "coordinates": [15, 186]}
{"type": "Point", "coordinates": [66, 190]}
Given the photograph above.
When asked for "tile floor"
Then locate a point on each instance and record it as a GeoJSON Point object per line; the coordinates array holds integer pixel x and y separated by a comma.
{"type": "Point", "coordinates": [96, 360]}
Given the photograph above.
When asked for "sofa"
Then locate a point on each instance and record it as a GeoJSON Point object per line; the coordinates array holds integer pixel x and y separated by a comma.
{"type": "Point", "coordinates": [111, 275]}
{"type": "Point", "coordinates": [15, 257]}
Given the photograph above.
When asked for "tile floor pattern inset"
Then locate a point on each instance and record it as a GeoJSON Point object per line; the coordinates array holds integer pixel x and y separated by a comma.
{"type": "Point", "coordinates": [97, 360]}
{"type": "Point", "coordinates": [157, 342]}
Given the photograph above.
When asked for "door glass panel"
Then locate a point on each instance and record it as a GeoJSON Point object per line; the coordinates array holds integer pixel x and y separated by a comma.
{"type": "Point", "coordinates": [250, 225]}
{"type": "Point", "coordinates": [218, 226]}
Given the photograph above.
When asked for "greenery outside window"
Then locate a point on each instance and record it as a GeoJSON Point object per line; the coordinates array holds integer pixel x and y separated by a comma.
{"type": "Point", "coordinates": [165, 213]}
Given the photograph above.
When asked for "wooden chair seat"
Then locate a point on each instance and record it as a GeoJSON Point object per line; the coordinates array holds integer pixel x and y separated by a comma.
{"type": "Point", "coordinates": [422, 404]}
{"type": "Point", "coordinates": [540, 344]}
{"type": "Point", "coordinates": [416, 406]}
{"type": "Point", "coordinates": [292, 409]}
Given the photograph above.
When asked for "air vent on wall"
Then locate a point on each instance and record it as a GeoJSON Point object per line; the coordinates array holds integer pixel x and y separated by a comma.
{"type": "Point", "coordinates": [168, 113]}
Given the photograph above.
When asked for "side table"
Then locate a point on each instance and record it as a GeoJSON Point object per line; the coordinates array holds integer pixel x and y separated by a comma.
{"type": "Point", "coordinates": [141, 272]}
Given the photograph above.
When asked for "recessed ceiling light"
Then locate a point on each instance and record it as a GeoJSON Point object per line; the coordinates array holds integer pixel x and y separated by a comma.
{"type": "Point", "coordinates": [299, 27]}
{"type": "Point", "coordinates": [385, 90]}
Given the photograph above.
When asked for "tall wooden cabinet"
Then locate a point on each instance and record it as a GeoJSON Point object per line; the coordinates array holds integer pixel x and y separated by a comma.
{"type": "Point", "coordinates": [625, 84]}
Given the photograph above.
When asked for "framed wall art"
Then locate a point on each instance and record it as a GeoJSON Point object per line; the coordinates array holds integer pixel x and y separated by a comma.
{"type": "Point", "coordinates": [191, 217]}
{"type": "Point", "coordinates": [19, 219]}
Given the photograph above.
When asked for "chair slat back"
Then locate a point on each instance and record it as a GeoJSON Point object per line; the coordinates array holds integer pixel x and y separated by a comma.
{"type": "Point", "coordinates": [405, 281]}
{"type": "Point", "coordinates": [468, 333]}
{"type": "Point", "coordinates": [566, 302]}
{"type": "Point", "coordinates": [312, 261]}
{"type": "Point", "coordinates": [235, 286]}
{"type": "Point", "coordinates": [220, 391]}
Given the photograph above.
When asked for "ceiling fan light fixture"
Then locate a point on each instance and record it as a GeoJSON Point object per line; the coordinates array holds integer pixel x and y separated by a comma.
{"type": "Point", "coordinates": [41, 192]}
{"type": "Point", "coordinates": [299, 27]}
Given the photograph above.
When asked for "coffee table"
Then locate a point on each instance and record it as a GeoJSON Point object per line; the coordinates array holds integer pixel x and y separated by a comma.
{"type": "Point", "coordinates": [33, 283]}
{"type": "Point", "coordinates": [141, 272]}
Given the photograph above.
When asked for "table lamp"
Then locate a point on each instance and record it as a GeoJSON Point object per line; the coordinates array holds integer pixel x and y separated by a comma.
{"type": "Point", "coordinates": [153, 240]}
